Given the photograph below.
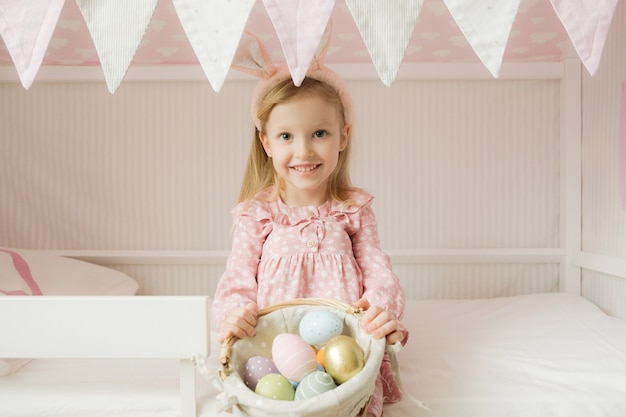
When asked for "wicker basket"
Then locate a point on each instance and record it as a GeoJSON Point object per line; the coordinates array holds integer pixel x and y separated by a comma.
{"type": "Point", "coordinates": [349, 399]}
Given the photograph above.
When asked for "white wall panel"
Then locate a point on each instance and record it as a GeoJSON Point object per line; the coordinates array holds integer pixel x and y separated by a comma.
{"type": "Point", "coordinates": [155, 166]}
{"type": "Point", "coordinates": [604, 218]}
{"type": "Point", "coordinates": [421, 281]}
{"type": "Point", "coordinates": [461, 164]}
{"type": "Point", "coordinates": [606, 291]}
{"type": "Point", "coordinates": [174, 279]}
{"type": "Point", "coordinates": [440, 281]}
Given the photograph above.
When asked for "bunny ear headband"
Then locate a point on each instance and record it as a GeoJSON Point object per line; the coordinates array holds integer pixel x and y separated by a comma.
{"type": "Point", "coordinates": [253, 58]}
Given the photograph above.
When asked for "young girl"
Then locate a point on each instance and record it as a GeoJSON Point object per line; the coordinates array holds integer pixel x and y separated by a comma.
{"type": "Point", "coordinates": [302, 229]}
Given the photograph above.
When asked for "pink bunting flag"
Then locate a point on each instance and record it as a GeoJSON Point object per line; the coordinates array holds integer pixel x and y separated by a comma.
{"type": "Point", "coordinates": [587, 23]}
{"type": "Point", "coordinates": [386, 28]}
{"type": "Point", "coordinates": [116, 28]}
{"type": "Point", "coordinates": [26, 28]}
{"type": "Point", "coordinates": [622, 180]}
{"type": "Point", "coordinates": [486, 25]}
{"type": "Point", "coordinates": [300, 25]}
{"type": "Point", "coordinates": [214, 28]}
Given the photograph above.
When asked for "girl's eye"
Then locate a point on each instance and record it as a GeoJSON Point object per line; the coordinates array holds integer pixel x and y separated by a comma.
{"type": "Point", "coordinates": [284, 136]}
{"type": "Point", "coordinates": [320, 133]}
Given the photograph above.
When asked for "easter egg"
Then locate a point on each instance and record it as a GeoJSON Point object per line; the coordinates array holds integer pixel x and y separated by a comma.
{"type": "Point", "coordinates": [343, 358]}
{"type": "Point", "coordinates": [318, 326]}
{"type": "Point", "coordinates": [275, 387]}
{"type": "Point", "coordinates": [320, 356]}
{"type": "Point", "coordinates": [293, 357]}
{"type": "Point", "coordinates": [256, 368]}
{"type": "Point", "coordinates": [314, 383]}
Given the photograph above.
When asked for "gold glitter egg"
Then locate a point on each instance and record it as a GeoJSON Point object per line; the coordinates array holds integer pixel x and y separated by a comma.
{"type": "Point", "coordinates": [343, 358]}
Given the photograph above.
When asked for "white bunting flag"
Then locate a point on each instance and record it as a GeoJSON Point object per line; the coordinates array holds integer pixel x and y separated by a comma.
{"type": "Point", "coordinates": [386, 28]}
{"type": "Point", "coordinates": [214, 28]}
{"type": "Point", "coordinates": [300, 25]}
{"type": "Point", "coordinates": [26, 28]}
{"type": "Point", "coordinates": [486, 25]}
{"type": "Point", "coordinates": [116, 28]}
{"type": "Point", "coordinates": [587, 23]}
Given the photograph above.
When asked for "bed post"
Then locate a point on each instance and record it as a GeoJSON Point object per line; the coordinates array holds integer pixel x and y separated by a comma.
{"type": "Point", "coordinates": [187, 388]}
{"type": "Point", "coordinates": [571, 174]}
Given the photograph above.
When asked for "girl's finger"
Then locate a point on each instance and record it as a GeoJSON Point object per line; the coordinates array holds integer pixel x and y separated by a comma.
{"type": "Point", "coordinates": [370, 315]}
{"type": "Point", "coordinates": [377, 318]}
{"type": "Point", "coordinates": [394, 337]}
{"type": "Point", "coordinates": [384, 329]}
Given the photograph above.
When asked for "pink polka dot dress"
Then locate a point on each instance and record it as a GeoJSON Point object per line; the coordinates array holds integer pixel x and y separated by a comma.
{"type": "Point", "coordinates": [332, 251]}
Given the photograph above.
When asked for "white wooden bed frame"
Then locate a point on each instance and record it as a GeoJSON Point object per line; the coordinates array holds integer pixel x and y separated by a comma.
{"type": "Point", "coordinates": [111, 327]}
{"type": "Point", "coordinates": [181, 328]}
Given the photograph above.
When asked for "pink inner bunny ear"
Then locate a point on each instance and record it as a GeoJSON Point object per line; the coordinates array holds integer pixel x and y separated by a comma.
{"type": "Point", "coordinates": [320, 53]}
{"type": "Point", "coordinates": [252, 57]}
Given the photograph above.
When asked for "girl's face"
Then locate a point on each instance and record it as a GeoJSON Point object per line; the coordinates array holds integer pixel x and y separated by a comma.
{"type": "Point", "coordinates": [304, 137]}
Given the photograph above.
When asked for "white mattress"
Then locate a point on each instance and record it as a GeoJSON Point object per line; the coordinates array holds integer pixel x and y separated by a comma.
{"type": "Point", "coordinates": [534, 355]}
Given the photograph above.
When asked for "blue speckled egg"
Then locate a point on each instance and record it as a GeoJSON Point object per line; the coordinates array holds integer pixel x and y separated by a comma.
{"type": "Point", "coordinates": [318, 326]}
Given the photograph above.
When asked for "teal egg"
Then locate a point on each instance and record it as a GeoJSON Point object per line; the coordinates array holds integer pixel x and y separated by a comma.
{"type": "Point", "coordinates": [313, 384]}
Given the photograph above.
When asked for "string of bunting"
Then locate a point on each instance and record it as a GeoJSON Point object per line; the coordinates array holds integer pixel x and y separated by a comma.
{"type": "Point", "coordinates": [214, 28]}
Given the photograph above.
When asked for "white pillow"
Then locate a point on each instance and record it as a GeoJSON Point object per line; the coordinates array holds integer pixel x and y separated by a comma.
{"type": "Point", "coordinates": [24, 272]}
{"type": "Point", "coordinates": [56, 275]}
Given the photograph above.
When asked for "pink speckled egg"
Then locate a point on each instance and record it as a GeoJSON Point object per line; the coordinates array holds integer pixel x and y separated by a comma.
{"type": "Point", "coordinates": [293, 357]}
{"type": "Point", "coordinates": [256, 368]}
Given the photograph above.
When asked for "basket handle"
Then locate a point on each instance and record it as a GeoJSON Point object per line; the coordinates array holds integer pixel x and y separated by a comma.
{"type": "Point", "coordinates": [226, 368]}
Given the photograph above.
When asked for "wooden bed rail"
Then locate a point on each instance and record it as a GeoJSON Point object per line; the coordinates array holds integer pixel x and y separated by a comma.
{"type": "Point", "coordinates": [104, 327]}
{"type": "Point", "coordinates": [409, 256]}
{"type": "Point", "coordinates": [109, 327]}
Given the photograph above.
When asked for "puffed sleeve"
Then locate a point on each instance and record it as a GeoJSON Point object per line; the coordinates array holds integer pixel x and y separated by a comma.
{"type": "Point", "coordinates": [238, 286]}
{"type": "Point", "coordinates": [381, 286]}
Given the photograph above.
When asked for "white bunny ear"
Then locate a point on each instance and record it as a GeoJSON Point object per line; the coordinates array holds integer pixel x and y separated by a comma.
{"type": "Point", "coordinates": [252, 57]}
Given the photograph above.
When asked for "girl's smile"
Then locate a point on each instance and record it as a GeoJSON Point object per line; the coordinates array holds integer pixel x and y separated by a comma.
{"type": "Point", "coordinates": [305, 169]}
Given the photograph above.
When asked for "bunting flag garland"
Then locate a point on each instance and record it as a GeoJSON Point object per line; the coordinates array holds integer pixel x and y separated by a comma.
{"type": "Point", "coordinates": [587, 23]}
{"type": "Point", "coordinates": [486, 25]}
{"type": "Point", "coordinates": [299, 25]}
{"type": "Point", "coordinates": [386, 28]}
{"type": "Point", "coordinates": [26, 28]}
{"type": "Point", "coordinates": [116, 28]}
{"type": "Point", "coordinates": [214, 28]}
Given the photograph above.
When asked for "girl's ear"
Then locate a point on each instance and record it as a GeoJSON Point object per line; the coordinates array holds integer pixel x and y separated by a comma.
{"type": "Point", "coordinates": [266, 144]}
{"type": "Point", "coordinates": [345, 136]}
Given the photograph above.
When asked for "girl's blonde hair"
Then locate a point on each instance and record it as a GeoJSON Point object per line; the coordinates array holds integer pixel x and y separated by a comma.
{"type": "Point", "coordinates": [260, 172]}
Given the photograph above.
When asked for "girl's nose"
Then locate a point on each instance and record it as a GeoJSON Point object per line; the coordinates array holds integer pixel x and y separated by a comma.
{"type": "Point", "coordinates": [304, 149]}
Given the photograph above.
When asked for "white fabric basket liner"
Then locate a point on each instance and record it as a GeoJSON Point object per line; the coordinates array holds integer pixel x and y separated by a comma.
{"type": "Point", "coordinates": [347, 400]}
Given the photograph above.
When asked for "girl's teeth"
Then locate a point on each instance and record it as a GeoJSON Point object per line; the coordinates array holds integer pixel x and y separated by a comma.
{"type": "Point", "coordinates": [305, 169]}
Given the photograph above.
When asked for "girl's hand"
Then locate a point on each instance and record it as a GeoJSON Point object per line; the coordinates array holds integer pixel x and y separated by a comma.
{"type": "Point", "coordinates": [240, 323]}
{"type": "Point", "coordinates": [380, 323]}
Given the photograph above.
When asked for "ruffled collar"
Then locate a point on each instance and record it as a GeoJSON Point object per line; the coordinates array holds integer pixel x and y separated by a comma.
{"type": "Point", "coordinates": [266, 205]}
